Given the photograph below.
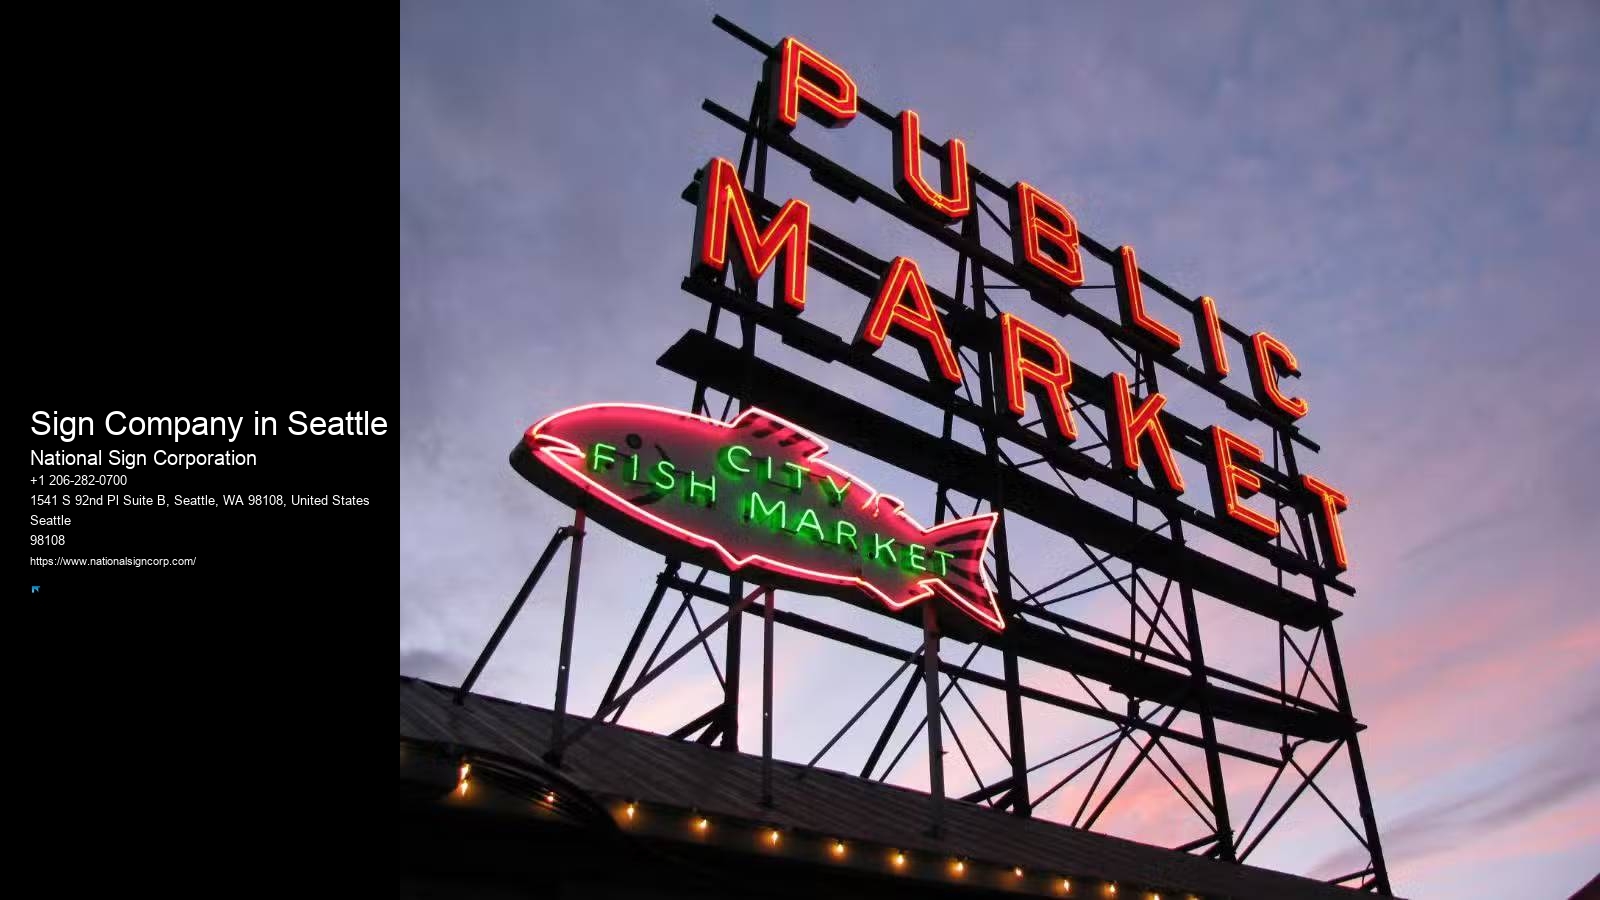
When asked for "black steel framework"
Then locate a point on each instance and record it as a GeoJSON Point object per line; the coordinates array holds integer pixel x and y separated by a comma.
{"type": "Point", "coordinates": [1159, 665]}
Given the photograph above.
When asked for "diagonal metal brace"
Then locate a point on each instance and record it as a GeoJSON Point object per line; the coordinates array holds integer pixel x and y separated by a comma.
{"type": "Point", "coordinates": [556, 540]}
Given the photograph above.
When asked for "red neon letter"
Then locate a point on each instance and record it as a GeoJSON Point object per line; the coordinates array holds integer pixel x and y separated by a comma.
{"type": "Point", "coordinates": [1049, 383]}
{"type": "Point", "coordinates": [1215, 357]}
{"type": "Point", "coordinates": [1029, 232]}
{"type": "Point", "coordinates": [798, 67]}
{"type": "Point", "coordinates": [1127, 427]}
{"type": "Point", "coordinates": [723, 206]}
{"type": "Point", "coordinates": [1333, 502]}
{"type": "Point", "coordinates": [920, 318]}
{"type": "Point", "coordinates": [1130, 299]}
{"type": "Point", "coordinates": [956, 199]}
{"type": "Point", "coordinates": [1264, 373]}
{"type": "Point", "coordinates": [1231, 483]}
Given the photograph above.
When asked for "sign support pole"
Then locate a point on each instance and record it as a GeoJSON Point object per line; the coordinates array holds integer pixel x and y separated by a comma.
{"type": "Point", "coordinates": [747, 330]}
{"type": "Point", "coordinates": [1358, 768]}
{"type": "Point", "coordinates": [574, 562]}
{"type": "Point", "coordinates": [1017, 795]}
{"type": "Point", "coordinates": [766, 698]}
{"type": "Point", "coordinates": [730, 675]}
{"type": "Point", "coordinates": [930, 681]}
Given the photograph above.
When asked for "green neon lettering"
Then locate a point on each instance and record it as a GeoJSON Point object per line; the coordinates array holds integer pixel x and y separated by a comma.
{"type": "Point", "coordinates": [757, 511]}
{"type": "Point", "coordinates": [727, 463]}
{"type": "Point", "coordinates": [913, 560]}
{"type": "Point", "coordinates": [941, 557]}
{"type": "Point", "coordinates": [661, 476]}
{"type": "Point", "coordinates": [881, 547]}
{"type": "Point", "coordinates": [697, 487]}
{"type": "Point", "coordinates": [833, 490]}
{"type": "Point", "coordinates": [601, 456]}
{"type": "Point", "coordinates": [808, 519]}
{"type": "Point", "coordinates": [768, 474]}
{"type": "Point", "coordinates": [633, 467]}
{"type": "Point", "coordinates": [844, 531]}
{"type": "Point", "coordinates": [800, 473]}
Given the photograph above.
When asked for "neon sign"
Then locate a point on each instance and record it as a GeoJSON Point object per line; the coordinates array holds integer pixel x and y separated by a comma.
{"type": "Point", "coordinates": [1045, 251]}
{"type": "Point", "coordinates": [755, 492]}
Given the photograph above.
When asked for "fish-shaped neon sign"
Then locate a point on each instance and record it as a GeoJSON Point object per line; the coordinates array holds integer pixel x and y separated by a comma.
{"type": "Point", "coordinates": [756, 492]}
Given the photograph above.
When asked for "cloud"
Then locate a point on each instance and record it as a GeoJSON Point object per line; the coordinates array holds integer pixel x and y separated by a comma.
{"type": "Point", "coordinates": [1472, 815]}
{"type": "Point", "coordinates": [445, 668]}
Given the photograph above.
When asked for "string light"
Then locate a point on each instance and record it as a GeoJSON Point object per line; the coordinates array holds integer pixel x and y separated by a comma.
{"type": "Point", "coordinates": [461, 779]}
{"type": "Point", "coordinates": [836, 846]}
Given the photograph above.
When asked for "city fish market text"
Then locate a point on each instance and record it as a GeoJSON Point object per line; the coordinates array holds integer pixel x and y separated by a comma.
{"type": "Point", "coordinates": [775, 512]}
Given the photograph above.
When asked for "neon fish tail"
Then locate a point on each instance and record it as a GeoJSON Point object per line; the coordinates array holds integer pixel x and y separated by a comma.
{"type": "Point", "coordinates": [962, 575]}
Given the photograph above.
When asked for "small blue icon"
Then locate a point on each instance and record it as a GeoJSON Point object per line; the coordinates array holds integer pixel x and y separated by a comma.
{"type": "Point", "coordinates": [35, 589]}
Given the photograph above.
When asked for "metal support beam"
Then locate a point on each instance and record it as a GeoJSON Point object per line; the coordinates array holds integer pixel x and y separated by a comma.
{"type": "Point", "coordinates": [890, 725]}
{"type": "Point", "coordinates": [703, 720]}
{"type": "Point", "coordinates": [549, 553]}
{"type": "Point", "coordinates": [730, 683]}
{"type": "Point", "coordinates": [639, 631]}
{"type": "Point", "coordinates": [1127, 773]}
{"type": "Point", "coordinates": [644, 681]}
{"type": "Point", "coordinates": [1293, 796]}
{"type": "Point", "coordinates": [930, 681]}
{"type": "Point", "coordinates": [568, 620]}
{"type": "Point", "coordinates": [767, 610]}
{"type": "Point", "coordinates": [844, 636]}
{"type": "Point", "coordinates": [1358, 769]}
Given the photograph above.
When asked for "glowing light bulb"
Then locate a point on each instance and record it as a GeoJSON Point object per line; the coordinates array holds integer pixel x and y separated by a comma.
{"type": "Point", "coordinates": [838, 848]}
{"type": "Point", "coordinates": [629, 811]}
{"type": "Point", "coordinates": [1066, 885]}
{"type": "Point", "coordinates": [702, 823]}
{"type": "Point", "coordinates": [1111, 890]}
{"type": "Point", "coordinates": [958, 867]}
{"type": "Point", "coordinates": [550, 797]}
{"type": "Point", "coordinates": [899, 859]}
{"type": "Point", "coordinates": [461, 781]}
{"type": "Point", "coordinates": [1017, 871]}
{"type": "Point", "coordinates": [773, 837]}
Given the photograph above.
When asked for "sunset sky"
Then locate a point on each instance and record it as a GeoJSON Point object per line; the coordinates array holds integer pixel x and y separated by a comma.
{"type": "Point", "coordinates": [1407, 194]}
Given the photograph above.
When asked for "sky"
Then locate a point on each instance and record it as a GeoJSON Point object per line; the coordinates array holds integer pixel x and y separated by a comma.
{"type": "Point", "coordinates": [1407, 194]}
